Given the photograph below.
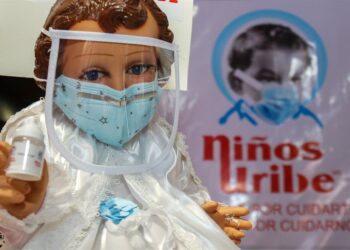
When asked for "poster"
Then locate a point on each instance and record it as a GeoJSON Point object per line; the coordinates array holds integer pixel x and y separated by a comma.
{"type": "Point", "coordinates": [266, 116]}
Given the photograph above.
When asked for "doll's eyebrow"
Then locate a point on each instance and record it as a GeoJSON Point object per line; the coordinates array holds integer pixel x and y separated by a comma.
{"type": "Point", "coordinates": [105, 54]}
{"type": "Point", "coordinates": [93, 54]}
{"type": "Point", "coordinates": [138, 52]}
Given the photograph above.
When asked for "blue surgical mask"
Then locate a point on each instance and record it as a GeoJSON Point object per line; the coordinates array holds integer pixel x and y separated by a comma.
{"type": "Point", "coordinates": [111, 116]}
{"type": "Point", "coordinates": [277, 104]}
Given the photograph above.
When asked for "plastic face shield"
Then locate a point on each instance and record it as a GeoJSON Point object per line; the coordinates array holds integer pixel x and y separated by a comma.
{"type": "Point", "coordinates": [102, 99]}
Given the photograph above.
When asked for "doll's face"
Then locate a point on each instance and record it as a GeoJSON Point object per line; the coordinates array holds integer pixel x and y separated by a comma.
{"type": "Point", "coordinates": [116, 65]}
{"type": "Point", "coordinates": [279, 66]}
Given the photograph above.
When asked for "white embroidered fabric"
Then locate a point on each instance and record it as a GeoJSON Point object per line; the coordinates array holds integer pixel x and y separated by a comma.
{"type": "Point", "coordinates": [69, 219]}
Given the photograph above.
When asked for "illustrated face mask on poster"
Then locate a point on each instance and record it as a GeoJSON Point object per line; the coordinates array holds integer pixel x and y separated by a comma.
{"type": "Point", "coordinates": [267, 114]}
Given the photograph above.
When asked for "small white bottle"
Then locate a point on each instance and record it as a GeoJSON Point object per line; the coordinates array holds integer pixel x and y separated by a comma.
{"type": "Point", "coordinates": [27, 155]}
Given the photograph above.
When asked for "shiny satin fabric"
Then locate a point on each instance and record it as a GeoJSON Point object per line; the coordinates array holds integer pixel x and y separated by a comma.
{"type": "Point", "coordinates": [168, 218]}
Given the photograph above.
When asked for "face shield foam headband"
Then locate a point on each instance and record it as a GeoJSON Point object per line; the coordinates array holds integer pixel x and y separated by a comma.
{"type": "Point", "coordinates": [106, 87]}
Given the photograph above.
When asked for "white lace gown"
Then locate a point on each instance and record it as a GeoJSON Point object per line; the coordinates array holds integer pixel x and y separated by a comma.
{"type": "Point", "coordinates": [168, 198]}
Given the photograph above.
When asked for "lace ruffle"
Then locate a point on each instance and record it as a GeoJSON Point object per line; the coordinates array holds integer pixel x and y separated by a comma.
{"type": "Point", "coordinates": [141, 184]}
{"type": "Point", "coordinates": [184, 176]}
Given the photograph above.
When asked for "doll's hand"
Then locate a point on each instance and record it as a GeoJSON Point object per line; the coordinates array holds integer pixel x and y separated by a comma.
{"type": "Point", "coordinates": [20, 198]}
{"type": "Point", "coordinates": [228, 218]}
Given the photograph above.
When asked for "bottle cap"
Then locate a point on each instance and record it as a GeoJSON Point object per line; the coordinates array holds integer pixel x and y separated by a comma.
{"type": "Point", "coordinates": [24, 175]}
{"type": "Point", "coordinates": [30, 128]}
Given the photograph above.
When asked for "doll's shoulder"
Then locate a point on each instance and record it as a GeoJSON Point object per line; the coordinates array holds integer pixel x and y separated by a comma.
{"type": "Point", "coordinates": [180, 138]}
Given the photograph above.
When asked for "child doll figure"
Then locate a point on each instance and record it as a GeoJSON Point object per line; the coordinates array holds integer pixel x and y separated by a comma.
{"type": "Point", "coordinates": [114, 175]}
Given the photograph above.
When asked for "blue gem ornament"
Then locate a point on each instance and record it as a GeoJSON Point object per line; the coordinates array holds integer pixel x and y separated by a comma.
{"type": "Point", "coordinates": [117, 209]}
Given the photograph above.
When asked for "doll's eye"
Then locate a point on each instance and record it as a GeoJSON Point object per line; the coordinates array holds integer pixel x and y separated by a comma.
{"type": "Point", "coordinates": [139, 69]}
{"type": "Point", "coordinates": [93, 75]}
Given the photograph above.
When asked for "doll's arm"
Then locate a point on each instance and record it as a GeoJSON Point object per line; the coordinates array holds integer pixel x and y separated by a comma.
{"type": "Point", "coordinates": [15, 232]}
{"type": "Point", "coordinates": [229, 218]}
{"type": "Point", "coordinates": [18, 199]}
{"type": "Point", "coordinates": [18, 230]}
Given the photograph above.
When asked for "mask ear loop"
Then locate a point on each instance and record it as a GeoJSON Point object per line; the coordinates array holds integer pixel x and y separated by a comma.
{"type": "Point", "coordinates": [162, 81]}
{"type": "Point", "coordinates": [252, 82]}
{"type": "Point", "coordinates": [248, 80]}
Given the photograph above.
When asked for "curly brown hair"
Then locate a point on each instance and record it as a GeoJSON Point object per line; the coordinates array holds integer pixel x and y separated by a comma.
{"type": "Point", "coordinates": [110, 14]}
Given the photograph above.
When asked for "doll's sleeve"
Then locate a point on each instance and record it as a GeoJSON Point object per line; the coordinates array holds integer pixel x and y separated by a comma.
{"type": "Point", "coordinates": [56, 203]}
{"type": "Point", "coordinates": [184, 177]}
{"type": "Point", "coordinates": [15, 233]}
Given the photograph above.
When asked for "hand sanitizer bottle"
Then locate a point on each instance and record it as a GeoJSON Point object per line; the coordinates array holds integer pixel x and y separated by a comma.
{"type": "Point", "coordinates": [27, 156]}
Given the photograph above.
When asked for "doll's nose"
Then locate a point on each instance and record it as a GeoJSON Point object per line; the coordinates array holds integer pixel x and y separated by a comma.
{"type": "Point", "coordinates": [118, 81]}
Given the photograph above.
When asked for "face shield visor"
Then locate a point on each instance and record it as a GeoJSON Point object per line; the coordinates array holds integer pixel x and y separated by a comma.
{"type": "Point", "coordinates": [102, 100]}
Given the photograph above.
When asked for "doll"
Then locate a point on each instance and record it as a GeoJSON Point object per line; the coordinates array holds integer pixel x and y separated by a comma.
{"type": "Point", "coordinates": [107, 181]}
